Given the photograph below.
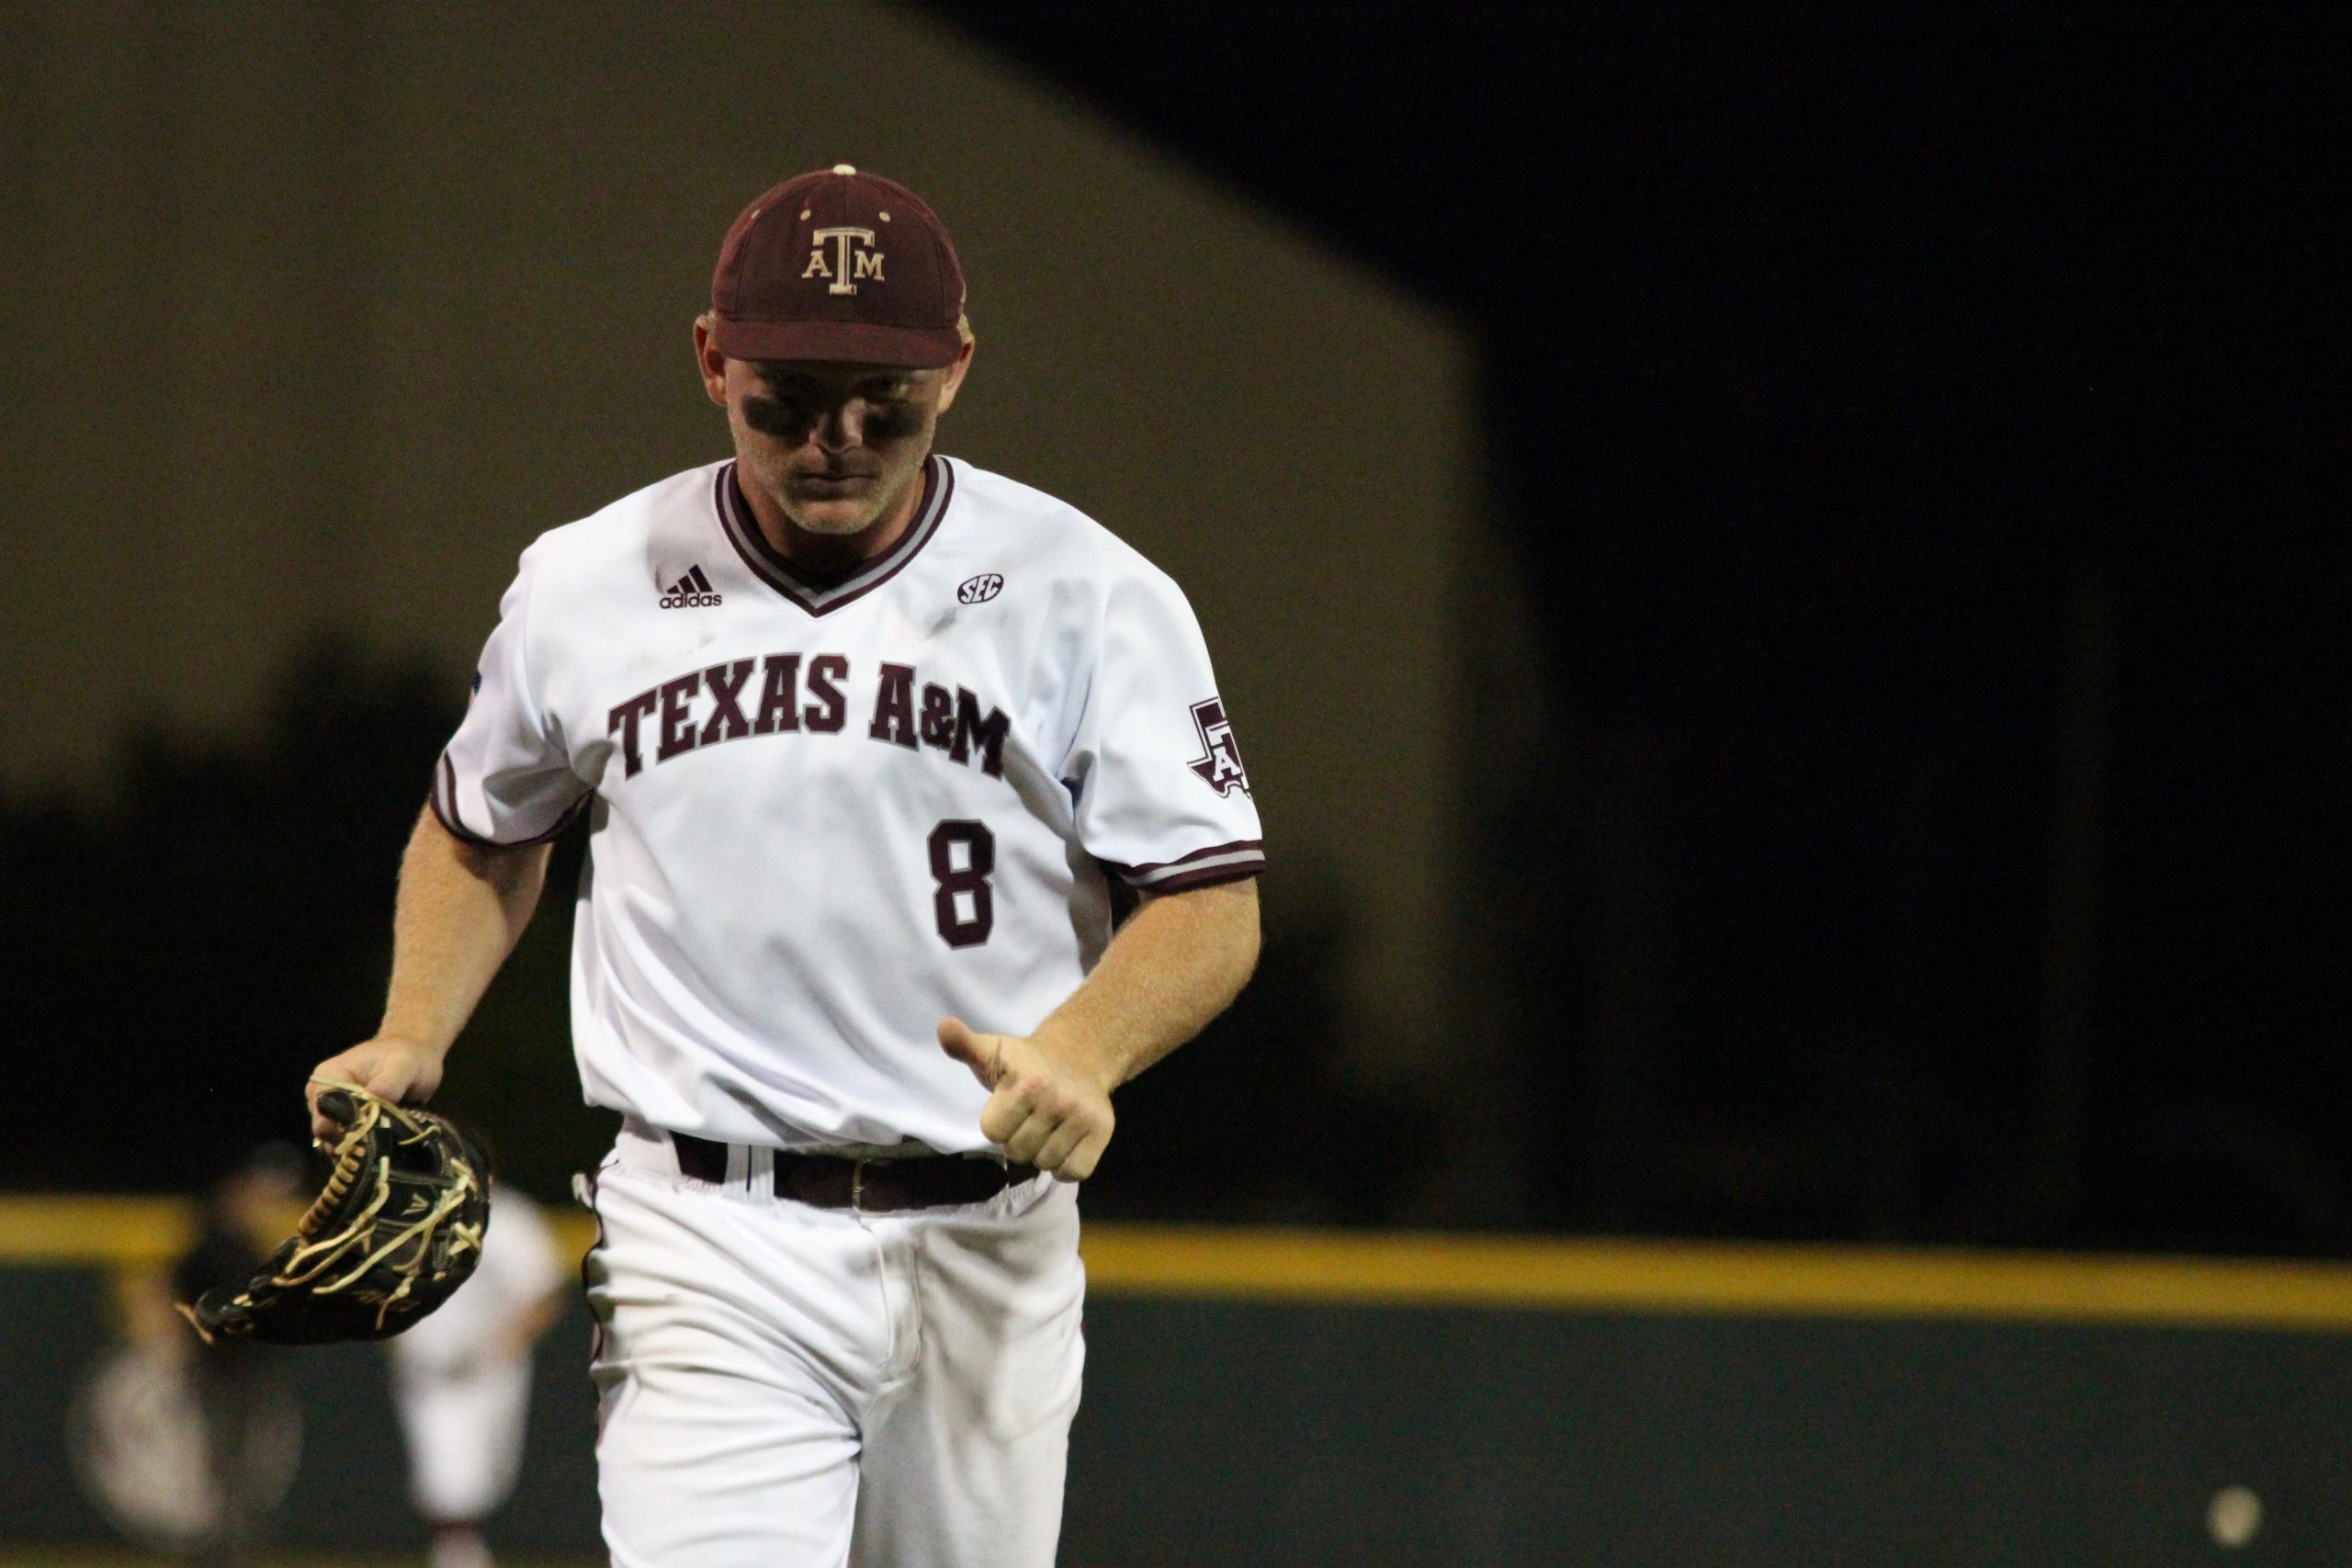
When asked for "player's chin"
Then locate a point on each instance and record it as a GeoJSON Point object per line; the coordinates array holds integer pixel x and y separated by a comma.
{"type": "Point", "coordinates": [839, 516]}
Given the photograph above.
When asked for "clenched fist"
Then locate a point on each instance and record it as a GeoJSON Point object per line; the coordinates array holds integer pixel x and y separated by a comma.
{"type": "Point", "coordinates": [1046, 1109]}
{"type": "Point", "coordinates": [402, 1071]}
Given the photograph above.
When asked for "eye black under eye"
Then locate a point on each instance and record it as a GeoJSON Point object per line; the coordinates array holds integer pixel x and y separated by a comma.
{"type": "Point", "coordinates": [887, 420]}
{"type": "Point", "coordinates": [771, 416]}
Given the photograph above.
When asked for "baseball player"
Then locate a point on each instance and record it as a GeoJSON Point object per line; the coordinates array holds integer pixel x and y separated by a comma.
{"type": "Point", "coordinates": [862, 733]}
{"type": "Point", "coordinates": [461, 1380]}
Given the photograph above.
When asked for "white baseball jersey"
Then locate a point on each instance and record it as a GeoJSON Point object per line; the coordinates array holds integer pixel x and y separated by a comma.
{"type": "Point", "coordinates": [827, 812]}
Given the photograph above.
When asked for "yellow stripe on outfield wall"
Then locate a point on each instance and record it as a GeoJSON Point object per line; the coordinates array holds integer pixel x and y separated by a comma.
{"type": "Point", "coordinates": [117, 1231]}
{"type": "Point", "coordinates": [1373, 1268]}
{"type": "Point", "coordinates": [1626, 1276]}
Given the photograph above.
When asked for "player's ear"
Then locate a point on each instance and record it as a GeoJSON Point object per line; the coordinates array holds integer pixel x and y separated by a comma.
{"type": "Point", "coordinates": [956, 371]}
{"type": "Point", "coordinates": [710, 362]}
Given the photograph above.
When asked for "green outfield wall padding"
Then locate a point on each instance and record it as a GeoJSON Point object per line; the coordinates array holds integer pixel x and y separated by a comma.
{"type": "Point", "coordinates": [1290, 1435]}
{"type": "Point", "coordinates": [53, 1321]}
{"type": "Point", "coordinates": [1240, 1434]}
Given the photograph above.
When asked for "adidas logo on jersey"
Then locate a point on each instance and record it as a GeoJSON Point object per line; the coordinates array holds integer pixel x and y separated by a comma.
{"type": "Point", "coordinates": [691, 591]}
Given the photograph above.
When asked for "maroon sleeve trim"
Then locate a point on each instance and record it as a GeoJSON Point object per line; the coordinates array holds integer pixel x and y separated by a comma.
{"type": "Point", "coordinates": [443, 800]}
{"type": "Point", "coordinates": [1209, 876]}
{"type": "Point", "coordinates": [1148, 869]}
{"type": "Point", "coordinates": [444, 804]}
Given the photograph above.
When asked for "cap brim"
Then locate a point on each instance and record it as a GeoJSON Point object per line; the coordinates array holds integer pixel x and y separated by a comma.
{"type": "Point", "coordinates": [861, 342]}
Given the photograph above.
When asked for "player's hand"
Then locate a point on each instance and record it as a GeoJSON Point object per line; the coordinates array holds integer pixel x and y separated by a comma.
{"type": "Point", "coordinates": [1046, 1109]}
{"type": "Point", "coordinates": [405, 1072]}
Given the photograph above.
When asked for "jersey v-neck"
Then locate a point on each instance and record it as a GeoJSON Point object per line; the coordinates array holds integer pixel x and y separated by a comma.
{"type": "Point", "coordinates": [822, 593]}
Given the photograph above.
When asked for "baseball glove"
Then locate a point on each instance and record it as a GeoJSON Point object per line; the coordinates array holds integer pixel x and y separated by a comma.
{"type": "Point", "coordinates": [396, 1231]}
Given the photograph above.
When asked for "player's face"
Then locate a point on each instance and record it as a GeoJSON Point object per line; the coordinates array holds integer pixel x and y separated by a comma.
{"type": "Point", "coordinates": [833, 443]}
{"type": "Point", "coordinates": [835, 446]}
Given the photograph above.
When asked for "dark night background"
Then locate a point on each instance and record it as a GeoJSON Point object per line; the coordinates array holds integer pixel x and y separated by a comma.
{"type": "Point", "coordinates": [1925, 451]}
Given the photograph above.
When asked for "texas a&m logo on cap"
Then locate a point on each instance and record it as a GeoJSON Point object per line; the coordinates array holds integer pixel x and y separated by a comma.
{"type": "Point", "coordinates": [854, 256]}
{"type": "Point", "coordinates": [1219, 763]}
{"type": "Point", "coordinates": [841, 266]}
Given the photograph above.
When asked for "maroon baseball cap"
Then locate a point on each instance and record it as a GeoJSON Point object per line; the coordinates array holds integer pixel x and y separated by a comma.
{"type": "Point", "coordinates": [839, 264]}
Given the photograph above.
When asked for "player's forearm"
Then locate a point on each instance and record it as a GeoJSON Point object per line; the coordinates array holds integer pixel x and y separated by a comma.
{"type": "Point", "coordinates": [1177, 963]}
{"type": "Point", "coordinates": [461, 910]}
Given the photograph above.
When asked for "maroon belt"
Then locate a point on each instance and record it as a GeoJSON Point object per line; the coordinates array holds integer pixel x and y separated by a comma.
{"type": "Point", "coordinates": [870, 1185]}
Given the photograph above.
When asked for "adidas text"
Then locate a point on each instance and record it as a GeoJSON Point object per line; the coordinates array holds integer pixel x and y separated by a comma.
{"type": "Point", "coordinates": [691, 591]}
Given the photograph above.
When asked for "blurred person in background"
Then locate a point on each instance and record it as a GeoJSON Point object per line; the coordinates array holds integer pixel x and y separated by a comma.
{"type": "Point", "coordinates": [462, 1380]}
{"type": "Point", "coordinates": [240, 1386]}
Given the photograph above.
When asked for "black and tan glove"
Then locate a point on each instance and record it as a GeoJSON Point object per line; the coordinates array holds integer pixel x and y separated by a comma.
{"type": "Point", "coordinates": [396, 1231]}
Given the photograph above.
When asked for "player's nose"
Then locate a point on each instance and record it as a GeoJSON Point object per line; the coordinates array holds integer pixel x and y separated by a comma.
{"type": "Point", "coordinates": [839, 429]}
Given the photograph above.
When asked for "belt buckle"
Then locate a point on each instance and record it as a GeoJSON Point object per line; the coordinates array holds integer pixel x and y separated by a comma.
{"type": "Point", "coordinates": [857, 1186]}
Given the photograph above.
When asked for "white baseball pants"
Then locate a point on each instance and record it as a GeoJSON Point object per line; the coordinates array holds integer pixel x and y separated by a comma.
{"type": "Point", "coordinates": [465, 1436]}
{"type": "Point", "coordinates": [783, 1386]}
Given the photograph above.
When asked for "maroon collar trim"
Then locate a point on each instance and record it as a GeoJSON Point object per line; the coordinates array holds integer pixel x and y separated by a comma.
{"type": "Point", "coordinates": [823, 596]}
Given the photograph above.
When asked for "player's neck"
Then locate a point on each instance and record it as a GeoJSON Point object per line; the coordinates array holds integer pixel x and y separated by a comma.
{"type": "Point", "coordinates": [825, 554]}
